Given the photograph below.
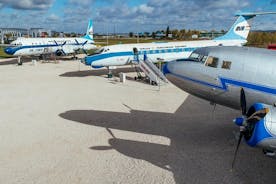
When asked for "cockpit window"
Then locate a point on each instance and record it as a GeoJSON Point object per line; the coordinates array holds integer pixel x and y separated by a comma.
{"type": "Point", "coordinates": [16, 44]}
{"type": "Point", "coordinates": [197, 57]}
{"type": "Point", "coordinates": [98, 51]}
{"type": "Point", "coordinates": [212, 62]}
{"type": "Point", "coordinates": [194, 55]}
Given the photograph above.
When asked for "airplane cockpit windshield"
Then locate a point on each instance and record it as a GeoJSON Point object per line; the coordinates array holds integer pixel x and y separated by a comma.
{"type": "Point", "coordinates": [98, 51]}
{"type": "Point", "coordinates": [198, 57]}
{"type": "Point", "coordinates": [16, 44]}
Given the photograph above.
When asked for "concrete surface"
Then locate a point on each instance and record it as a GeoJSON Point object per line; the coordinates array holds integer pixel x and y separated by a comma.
{"type": "Point", "coordinates": [61, 125]}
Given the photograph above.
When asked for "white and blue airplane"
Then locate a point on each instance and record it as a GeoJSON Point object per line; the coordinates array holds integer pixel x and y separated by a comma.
{"type": "Point", "coordinates": [57, 46]}
{"type": "Point", "coordinates": [123, 54]}
{"type": "Point", "coordinates": [237, 77]}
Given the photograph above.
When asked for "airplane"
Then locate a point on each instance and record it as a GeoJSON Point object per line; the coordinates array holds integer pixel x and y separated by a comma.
{"type": "Point", "coordinates": [236, 77]}
{"type": "Point", "coordinates": [124, 54]}
{"type": "Point", "coordinates": [58, 46]}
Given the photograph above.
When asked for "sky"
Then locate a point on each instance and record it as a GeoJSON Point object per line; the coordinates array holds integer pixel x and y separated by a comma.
{"type": "Point", "coordinates": [124, 16]}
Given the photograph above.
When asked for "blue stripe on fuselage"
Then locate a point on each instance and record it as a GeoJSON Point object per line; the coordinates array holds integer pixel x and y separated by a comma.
{"type": "Point", "coordinates": [93, 58]}
{"type": "Point", "coordinates": [90, 59]}
{"type": "Point", "coordinates": [15, 49]}
{"type": "Point", "coordinates": [225, 81]}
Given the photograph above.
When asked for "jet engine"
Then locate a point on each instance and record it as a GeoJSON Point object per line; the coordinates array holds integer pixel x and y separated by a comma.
{"type": "Point", "coordinates": [258, 127]}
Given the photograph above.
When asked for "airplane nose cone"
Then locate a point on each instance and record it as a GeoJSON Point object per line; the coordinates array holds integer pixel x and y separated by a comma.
{"type": "Point", "coordinates": [9, 51]}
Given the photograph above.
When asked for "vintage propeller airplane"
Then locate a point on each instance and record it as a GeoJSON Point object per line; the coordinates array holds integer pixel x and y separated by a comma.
{"type": "Point", "coordinates": [237, 77]}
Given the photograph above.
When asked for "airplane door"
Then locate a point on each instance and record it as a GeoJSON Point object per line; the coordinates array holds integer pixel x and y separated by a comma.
{"type": "Point", "coordinates": [135, 54]}
{"type": "Point", "coordinates": [212, 76]}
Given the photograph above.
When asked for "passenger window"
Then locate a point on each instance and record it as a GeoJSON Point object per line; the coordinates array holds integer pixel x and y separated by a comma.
{"type": "Point", "coordinates": [226, 65]}
{"type": "Point", "coordinates": [212, 62]}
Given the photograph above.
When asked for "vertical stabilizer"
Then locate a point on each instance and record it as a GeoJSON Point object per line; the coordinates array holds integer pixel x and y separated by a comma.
{"type": "Point", "coordinates": [90, 31]}
{"type": "Point", "coordinates": [240, 29]}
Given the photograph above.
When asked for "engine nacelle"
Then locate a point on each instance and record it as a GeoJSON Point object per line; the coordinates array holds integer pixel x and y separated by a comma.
{"type": "Point", "coordinates": [59, 52]}
{"type": "Point", "coordinates": [262, 133]}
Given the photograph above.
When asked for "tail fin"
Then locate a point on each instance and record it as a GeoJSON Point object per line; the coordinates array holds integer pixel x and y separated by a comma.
{"type": "Point", "coordinates": [240, 29]}
{"type": "Point", "coordinates": [90, 31]}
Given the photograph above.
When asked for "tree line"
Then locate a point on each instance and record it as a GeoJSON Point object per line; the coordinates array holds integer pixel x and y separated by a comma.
{"type": "Point", "coordinates": [255, 38]}
{"type": "Point", "coordinates": [261, 39]}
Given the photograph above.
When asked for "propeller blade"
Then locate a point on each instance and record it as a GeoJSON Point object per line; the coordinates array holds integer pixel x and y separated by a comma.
{"type": "Point", "coordinates": [243, 102]}
{"type": "Point", "coordinates": [77, 42]}
{"type": "Point", "coordinates": [56, 42]}
{"type": "Point", "coordinates": [84, 51]}
{"type": "Point", "coordinates": [64, 43]}
{"type": "Point", "coordinates": [84, 42]}
{"type": "Point", "coordinates": [237, 148]}
{"type": "Point", "coordinates": [258, 115]}
{"type": "Point", "coordinates": [63, 52]}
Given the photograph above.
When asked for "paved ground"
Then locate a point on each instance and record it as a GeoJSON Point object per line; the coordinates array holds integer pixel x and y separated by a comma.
{"type": "Point", "coordinates": [61, 125]}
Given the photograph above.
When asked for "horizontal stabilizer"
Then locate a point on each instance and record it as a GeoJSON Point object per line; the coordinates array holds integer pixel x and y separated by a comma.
{"type": "Point", "coordinates": [252, 14]}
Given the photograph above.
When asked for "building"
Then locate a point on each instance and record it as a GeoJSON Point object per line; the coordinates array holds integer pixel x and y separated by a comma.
{"type": "Point", "coordinates": [40, 32]}
{"type": "Point", "coordinates": [9, 34]}
{"type": "Point", "coordinates": [210, 35]}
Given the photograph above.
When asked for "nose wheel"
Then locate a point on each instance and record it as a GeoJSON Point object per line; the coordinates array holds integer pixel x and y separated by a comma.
{"type": "Point", "coordinates": [19, 62]}
{"type": "Point", "coordinates": [109, 74]}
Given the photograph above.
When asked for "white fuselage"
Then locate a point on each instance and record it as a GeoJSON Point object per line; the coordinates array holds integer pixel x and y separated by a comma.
{"type": "Point", "coordinates": [40, 46]}
{"type": "Point", "coordinates": [123, 54]}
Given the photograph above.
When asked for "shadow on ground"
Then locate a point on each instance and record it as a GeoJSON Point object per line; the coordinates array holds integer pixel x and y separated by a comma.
{"type": "Point", "coordinates": [98, 72]}
{"type": "Point", "coordinates": [201, 147]}
{"type": "Point", "coordinates": [14, 61]}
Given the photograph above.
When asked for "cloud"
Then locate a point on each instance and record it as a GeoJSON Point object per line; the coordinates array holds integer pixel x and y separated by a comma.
{"type": "Point", "coordinates": [27, 4]}
{"type": "Point", "coordinates": [144, 8]}
{"type": "Point", "coordinates": [199, 14]}
{"type": "Point", "coordinates": [53, 18]}
{"type": "Point", "coordinates": [125, 15]}
{"type": "Point", "coordinates": [83, 3]}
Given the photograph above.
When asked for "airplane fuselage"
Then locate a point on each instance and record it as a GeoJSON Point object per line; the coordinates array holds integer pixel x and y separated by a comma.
{"type": "Point", "coordinates": [40, 46]}
{"type": "Point", "coordinates": [248, 68]}
{"type": "Point", "coordinates": [230, 76]}
{"type": "Point", "coordinates": [124, 54]}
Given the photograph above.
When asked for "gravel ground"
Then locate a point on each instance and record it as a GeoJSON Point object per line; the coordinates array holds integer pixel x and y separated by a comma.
{"type": "Point", "coordinates": [62, 125]}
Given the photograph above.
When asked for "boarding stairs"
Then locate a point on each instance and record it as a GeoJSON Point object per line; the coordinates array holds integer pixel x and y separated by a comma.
{"type": "Point", "coordinates": [151, 71]}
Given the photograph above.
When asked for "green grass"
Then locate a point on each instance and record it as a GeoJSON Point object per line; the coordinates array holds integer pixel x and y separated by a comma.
{"type": "Point", "coordinates": [3, 54]}
{"type": "Point", "coordinates": [114, 41]}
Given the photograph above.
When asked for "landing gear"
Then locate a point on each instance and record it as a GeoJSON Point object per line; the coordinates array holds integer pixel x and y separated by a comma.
{"type": "Point", "coordinates": [153, 83]}
{"type": "Point", "coordinates": [19, 62]}
{"type": "Point", "coordinates": [109, 74]}
{"type": "Point", "coordinates": [139, 77]}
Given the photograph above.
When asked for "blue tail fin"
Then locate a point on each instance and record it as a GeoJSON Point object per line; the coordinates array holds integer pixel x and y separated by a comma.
{"type": "Point", "coordinates": [240, 29]}
{"type": "Point", "coordinates": [90, 31]}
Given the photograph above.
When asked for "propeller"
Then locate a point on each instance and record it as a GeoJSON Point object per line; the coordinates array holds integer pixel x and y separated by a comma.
{"type": "Point", "coordinates": [247, 124]}
{"type": "Point", "coordinates": [243, 102]}
{"type": "Point", "coordinates": [61, 46]}
{"type": "Point", "coordinates": [240, 122]}
{"type": "Point", "coordinates": [237, 148]}
{"type": "Point", "coordinates": [82, 45]}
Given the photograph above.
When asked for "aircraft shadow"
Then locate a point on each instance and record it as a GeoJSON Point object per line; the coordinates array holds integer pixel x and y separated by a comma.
{"type": "Point", "coordinates": [201, 147]}
{"type": "Point", "coordinates": [98, 72]}
{"type": "Point", "coordinates": [14, 61]}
